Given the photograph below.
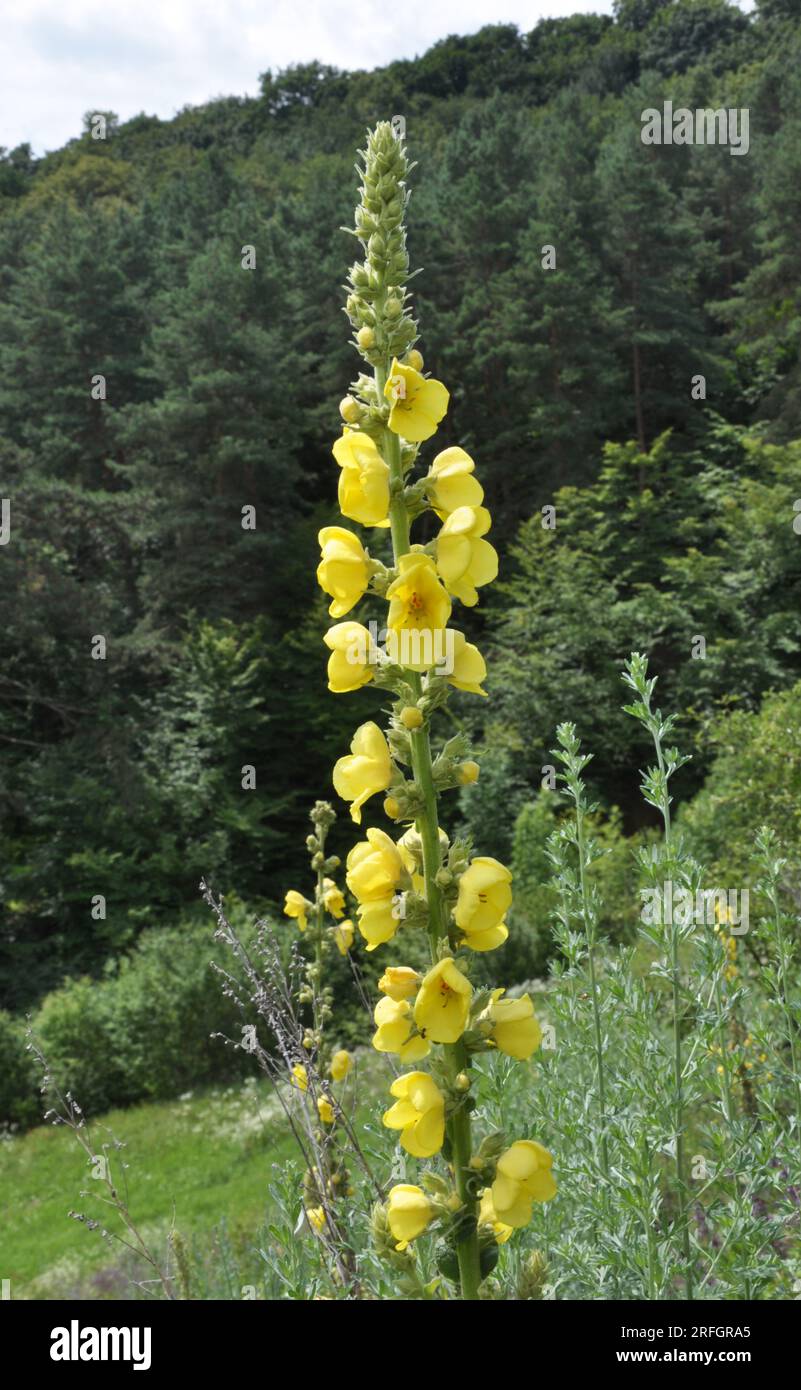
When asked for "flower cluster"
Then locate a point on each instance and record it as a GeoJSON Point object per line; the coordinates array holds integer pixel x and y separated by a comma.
{"type": "Point", "coordinates": [422, 880]}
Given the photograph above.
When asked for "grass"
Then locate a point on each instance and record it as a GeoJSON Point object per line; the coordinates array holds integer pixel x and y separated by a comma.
{"type": "Point", "coordinates": [194, 1160]}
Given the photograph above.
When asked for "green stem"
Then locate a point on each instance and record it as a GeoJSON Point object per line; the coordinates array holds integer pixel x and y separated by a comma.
{"type": "Point", "coordinates": [724, 1055]}
{"type": "Point", "coordinates": [589, 928]}
{"type": "Point", "coordinates": [458, 1126]}
{"type": "Point", "coordinates": [678, 1079]}
{"type": "Point", "coordinates": [319, 916]}
{"type": "Point", "coordinates": [789, 1022]}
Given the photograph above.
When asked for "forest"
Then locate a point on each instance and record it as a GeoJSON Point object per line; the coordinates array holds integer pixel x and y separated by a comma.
{"type": "Point", "coordinates": [620, 322]}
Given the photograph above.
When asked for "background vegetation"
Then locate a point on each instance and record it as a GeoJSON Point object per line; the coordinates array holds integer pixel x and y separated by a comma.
{"type": "Point", "coordinates": [572, 388]}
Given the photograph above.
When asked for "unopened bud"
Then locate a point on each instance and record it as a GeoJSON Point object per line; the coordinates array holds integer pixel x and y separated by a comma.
{"type": "Point", "coordinates": [533, 1276]}
{"type": "Point", "coordinates": [350, 410]}
{"type": "Point", "coordinates": [468, 772]}
{"type": "Point", "coordinates": [365, 338]}
{"type": "Point", "coordinates": [414, 359]}
{"type": "Point", "coordinates": [411, 717]}
{"type": "Point", "coordinates": [393, 308]}
{"type": "Point", "coordinates": [462, 1081]}
{"type": "Point", "coordinates": [391, 808]}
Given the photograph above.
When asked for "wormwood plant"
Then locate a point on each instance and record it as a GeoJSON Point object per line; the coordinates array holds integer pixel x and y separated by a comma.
{"type": "Point", "coordinates": [423, 881]}
{"type": "Point", "coordinates": [673, 1086]}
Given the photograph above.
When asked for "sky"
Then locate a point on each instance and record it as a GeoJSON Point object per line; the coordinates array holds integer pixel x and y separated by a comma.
{"type": "Point", "coordinates": [62, 58]}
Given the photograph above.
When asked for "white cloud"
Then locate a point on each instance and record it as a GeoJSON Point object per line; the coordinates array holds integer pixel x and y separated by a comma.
{"type": "Point", "coordinates": [62, 58]}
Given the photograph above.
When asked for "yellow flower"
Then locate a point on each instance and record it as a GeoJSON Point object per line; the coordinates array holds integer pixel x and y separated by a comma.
{"type": "Point", "coordinates": [419, 403]}
{"type": "Point", "coordinates": [469, 666]}
{"type": "Point", "coordinates": [399, 981]}
{"type": "Point", "coordinates": [297, 906]}
{"type": "Point", "coordinates": [343, 936]}
{"type": "Point", "coordinates": [366, 771]}
{"type": "Point", "coordinates": [394, 1031]}
{"type": "Point", "coordinates": [349, 666]}
{"type": "Point", "coordinates": [374, 867]}
{"type": "Point", "coordinates": [342, 571]}
{"type": "Point", "coordinates": [464, 560]}
{"type": "Point", "coordinates": [300, 1077]}
{"type": "Point", "coordinates": [364, 480]}
{"type": "Point", "coordinates": [484, 898]}
{"type": "Point", "coordinates": [417, 600]}
{"type": "Point", "coordinates": [515, 1028]}
{"type": "Point", "coordinates": [341, 1063]}
{"type": "Point", "coordinates": [408, 1213]}
{"type": "Point", "coordinates": [333, 899]}
{"type": "Point", "coordinates": [378, 921]}
{"type": "Point", "coordinates": [450, 484]}
{"type": "Point", "coordinates": [443, 1003]}
{"type": "Point", "coordinates": [487, 1216]}
{"type": "Point", "coordinates": [325, 1110]}
{"type": "Point", "coordinates": [316, 1218]}
{"type": "Point", "coordinates": [523, 1176]}
{"type": "Point", "coordinates": [418, 1112]}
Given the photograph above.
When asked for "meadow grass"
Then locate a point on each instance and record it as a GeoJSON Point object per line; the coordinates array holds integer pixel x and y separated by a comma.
{"type": "Point", "coordinates": [190, 1160]}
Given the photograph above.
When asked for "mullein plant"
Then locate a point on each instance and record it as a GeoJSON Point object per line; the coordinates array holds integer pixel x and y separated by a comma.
{"type": "Point", "coordinates": [434, 1022]}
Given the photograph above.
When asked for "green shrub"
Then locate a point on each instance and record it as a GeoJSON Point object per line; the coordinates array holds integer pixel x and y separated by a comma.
{"type": "Point", "coordinates": [19, 1104]}
{"type": "Point", "coordinates": [144, 1030]}
{"type": "Point", "coordinates": [755, 779]}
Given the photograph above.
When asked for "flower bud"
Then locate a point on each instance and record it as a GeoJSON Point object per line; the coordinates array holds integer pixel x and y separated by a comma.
{"type": "Point", "coordinates": [468, 772]}
{"type": "Point", "coordinates": [411, 717]}
{"type": "Point", "coordinates": [393, 308]}
{"type": "Point", "coordinates": [350, 410]}
{"type": "Point", "coordinates": [365, 338]}
{"type": "Point", "coordinates": [462, 1081]}
{"type": "Point", "coordinates": [414, 359]}
{"type": "Point", "coordinates": [391, 808]}
{"type": "Point", "coordinates": [533, 1276]}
